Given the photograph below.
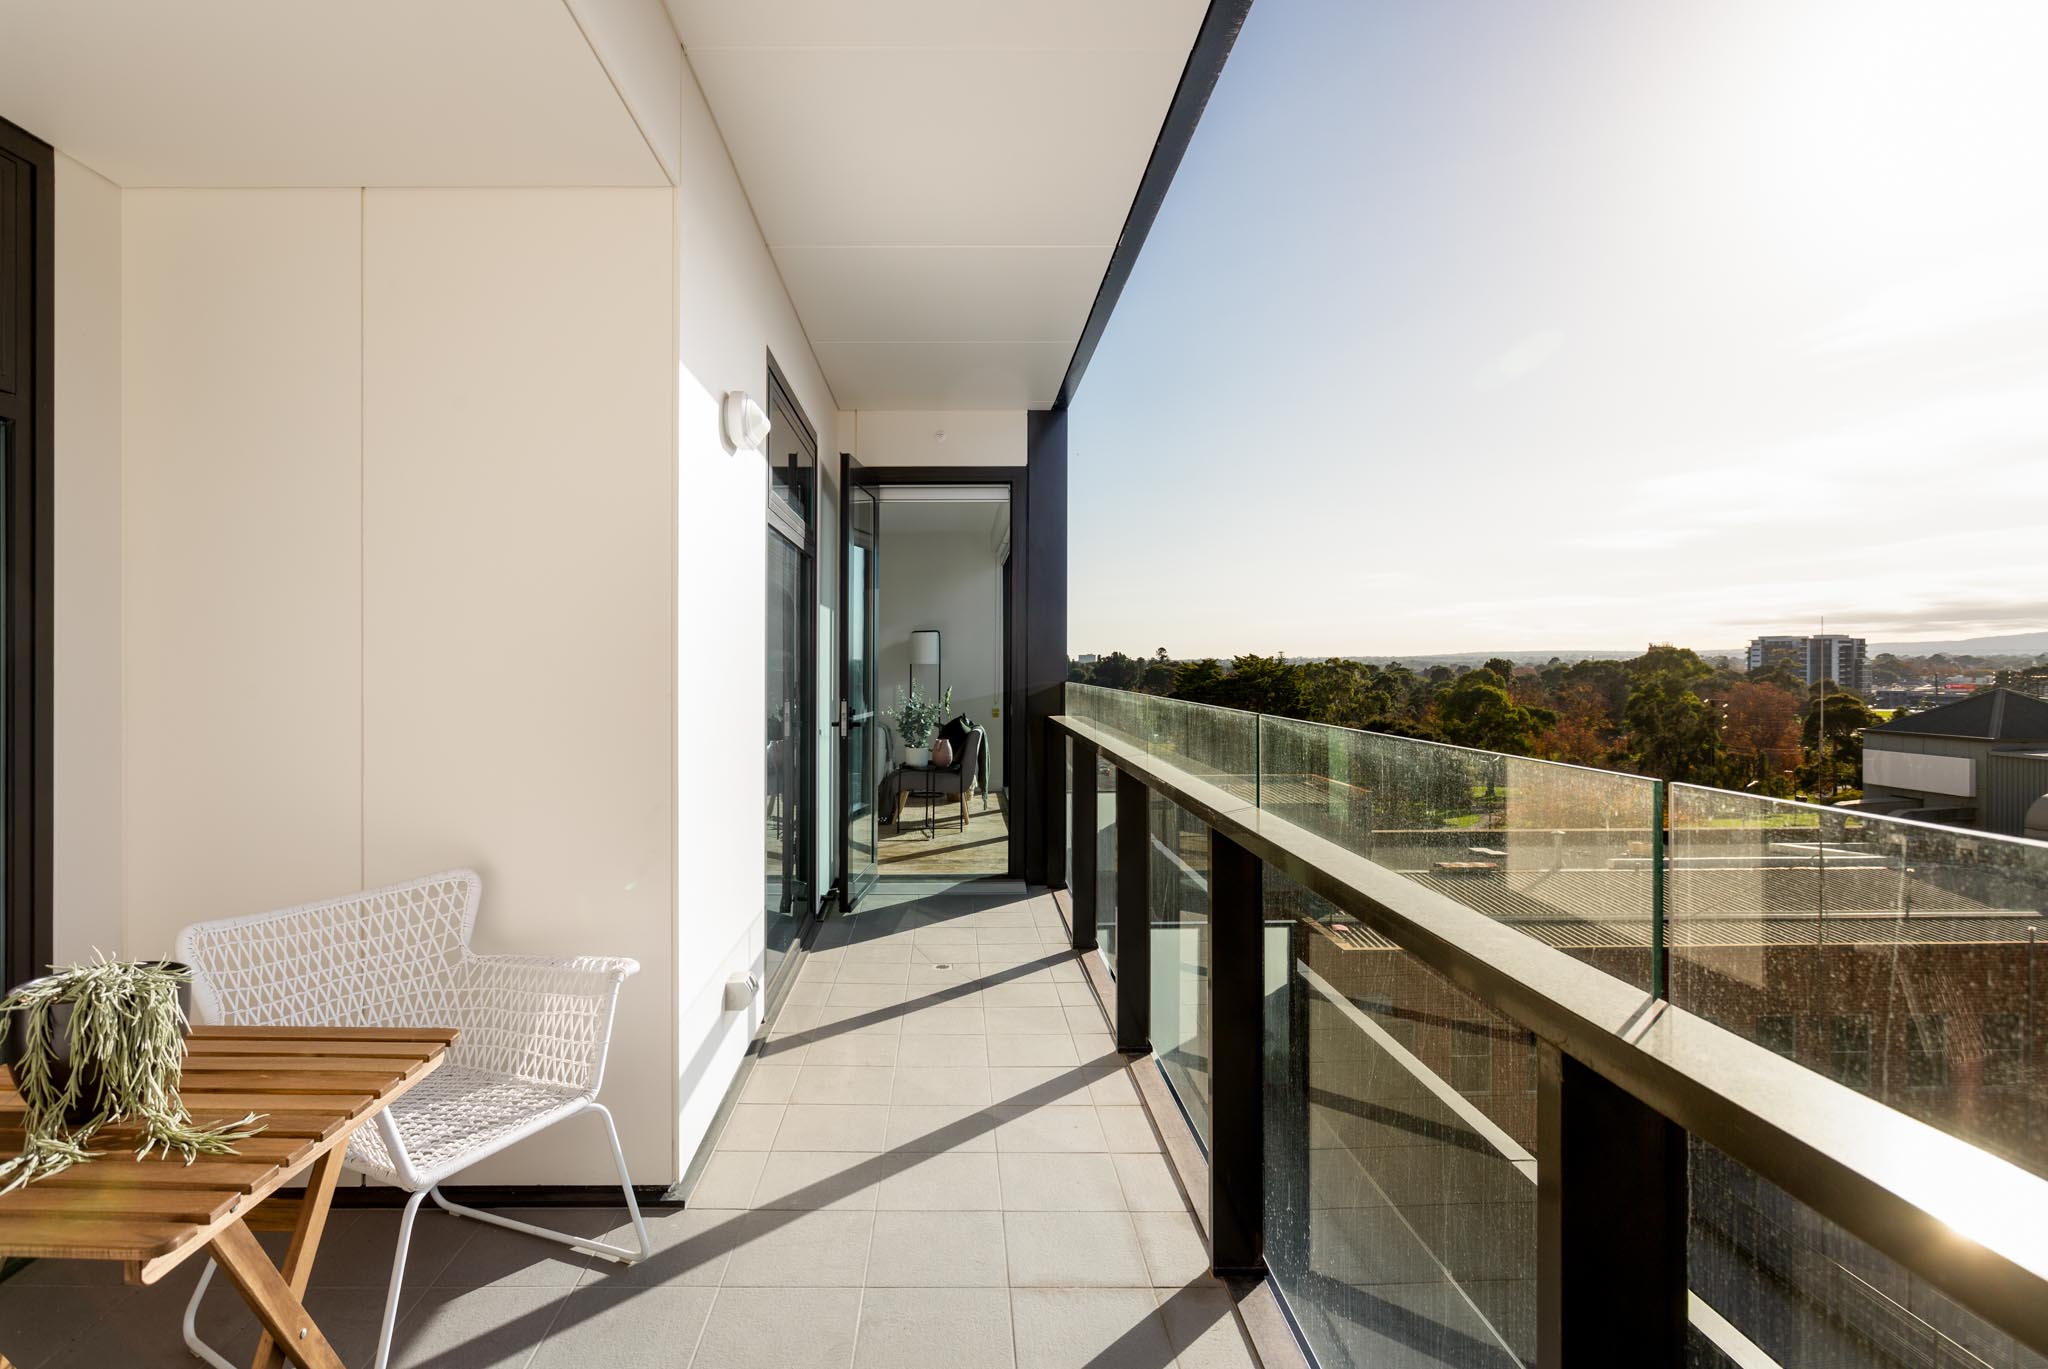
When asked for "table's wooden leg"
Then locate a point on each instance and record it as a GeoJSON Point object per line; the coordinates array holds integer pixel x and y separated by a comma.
{"type": "Point", "coordinates": [241, 1257]}
{"type": "Point", "coordinates": [312, 1224]}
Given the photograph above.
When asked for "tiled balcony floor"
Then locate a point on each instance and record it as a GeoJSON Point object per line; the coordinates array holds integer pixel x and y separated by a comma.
{"type": "Point", "coordinates": [937, 1160]}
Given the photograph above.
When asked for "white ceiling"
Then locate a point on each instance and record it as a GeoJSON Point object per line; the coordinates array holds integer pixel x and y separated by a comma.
{"type": "Point", "coordinates": [367, 92]}
{"type": "Point", "coordinates": [927, 517]}
{"type": "Point", "coordinates": [941, 181]}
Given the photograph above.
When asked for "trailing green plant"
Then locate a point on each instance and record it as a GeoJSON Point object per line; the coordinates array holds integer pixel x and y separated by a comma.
{"type": "Point", "coordinates": [917, 717]}
{"type": "Point", "coordinates": [126, 1038]}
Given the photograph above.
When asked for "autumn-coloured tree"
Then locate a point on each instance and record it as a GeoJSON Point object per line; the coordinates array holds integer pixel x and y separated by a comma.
{"type": "Point", "coordinates": [1760, 730]}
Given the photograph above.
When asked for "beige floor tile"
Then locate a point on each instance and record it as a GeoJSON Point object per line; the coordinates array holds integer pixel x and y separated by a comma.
{"type": "Point", "coordinates": [925, 1087]}
{"type": "Point", "coordinates": [842, 1084]}
{"type": "Point", "coordinates": [820, 1179]}
{"type": "Point", "coordinates": [1148, 1184]}
{"type": "Point", "coordinates": [1059, 1183]}
{"type": "Point", "coordinates": [938, 1249]}
{"type": "Point", "coordinates": [1174, 1250]}
{"type": "Point", "coordinates": [1032, 1050]}
{"type": "Point", "coordinates": [808, 1250]}
{"type": "Point", "coordinates": [757, 1328]}
{"type": "Point", "coordinates": [959, 1328]}
{"type": "Point", "coordinates": [1102, 1328]}
{"type": "Point", "coordinates": [943, 1052]}
{"type": "Point", "coordinates": [1204, 1331]}
{"type": "Point", "coordinates": [833, 1126]}
{"type": "Point", "coordinates": [949, 1181]}
{"type": "Point", "coordinates": [1027, 1021]}
{"type": "Point", "coordinates": [751, 1127]}
{"type": "Point", "coordinates": [1065, 1130]}
{"type": "Point", "coordinates": [1073, 1250]}
{"type": "Point", "coordinates": [953, 1126]}
{"type": "Point", "coordinates": [1128, 1130]}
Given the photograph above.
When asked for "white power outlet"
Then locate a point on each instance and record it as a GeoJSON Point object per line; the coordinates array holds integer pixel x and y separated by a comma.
{"type": "Point", "coordinates": [739, 992]}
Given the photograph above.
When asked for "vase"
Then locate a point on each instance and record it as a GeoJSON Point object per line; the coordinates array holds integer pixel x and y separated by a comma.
{"type": "Point", "coordinates": [917, 757]}
{"type": "Point", "coordinates": [86, 1107]}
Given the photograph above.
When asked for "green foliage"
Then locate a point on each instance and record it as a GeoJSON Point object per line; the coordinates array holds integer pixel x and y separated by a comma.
{"type": "Point", "coordinates": [918, 717]}
{"type": "Point", "coordinates": [1476, 711]}
{"type": "Point", "coordinates": [126, 1035]}
{"type": "Point", "coordinates": [1667, 712]}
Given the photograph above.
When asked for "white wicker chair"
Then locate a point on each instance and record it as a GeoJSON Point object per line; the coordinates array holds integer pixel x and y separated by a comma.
{"type": "Point", "coordinates": [531, 1052]}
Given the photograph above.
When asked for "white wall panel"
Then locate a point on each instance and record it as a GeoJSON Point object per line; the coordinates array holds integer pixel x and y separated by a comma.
{"type": "Point", "coordinates": [86, 714]}
{"type": "Point", "coordinates": [240, 570]}
{"type": "Point", "coordinates": [516, 554]}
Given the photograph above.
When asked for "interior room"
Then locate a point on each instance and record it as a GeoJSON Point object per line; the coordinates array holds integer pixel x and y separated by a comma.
{"type": "Point", "coordinates": [943, 571]}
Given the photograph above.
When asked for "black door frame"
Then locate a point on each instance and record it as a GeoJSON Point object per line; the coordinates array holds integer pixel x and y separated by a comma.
{"type": "Point", "coordinates": [778, 389]}
{"type": "Point", "coordinates": [852, 476]}
{"type": "Point", "coordinates": [27, 403]}
{"type": "Point", "coordinates": [1022, 809]}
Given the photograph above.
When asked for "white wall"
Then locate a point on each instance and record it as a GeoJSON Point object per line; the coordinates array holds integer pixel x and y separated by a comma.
{"type": "Point", "coordinates": [959, 437]}
{"type": "Point", "coordinates": [953, 582]}
{"type": "Point", "coordinates": [86, 713]}
{"type": "Point", "coordinates": [516, 631]}
{"type": "Point", "coordinates": [397, 490]}
{"type": "Point", "coordinates": [242, 565]}
{"type": "Point", "coordinates": [406, 579]}
{"type": "Point", "coordinates": [731, 312]}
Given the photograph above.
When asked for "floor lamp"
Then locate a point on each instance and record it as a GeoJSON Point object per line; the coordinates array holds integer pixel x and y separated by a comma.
{"type": "Point", "coordinates": [924, 650]}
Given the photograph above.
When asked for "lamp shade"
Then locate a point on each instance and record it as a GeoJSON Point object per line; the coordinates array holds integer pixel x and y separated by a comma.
{"type": "Point", "coordinates": [924, 646]}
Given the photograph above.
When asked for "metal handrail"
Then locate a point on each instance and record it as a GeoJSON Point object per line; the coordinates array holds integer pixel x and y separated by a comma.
{"type": "Point", "coordinates": [1970, 1223]}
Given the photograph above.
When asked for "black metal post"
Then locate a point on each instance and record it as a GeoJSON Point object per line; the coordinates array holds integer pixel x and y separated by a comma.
{"type": "Point", "coordinates": [1237, 1059]}
{"type": "Point", "coordinates": [1610, 1223]}
{"type": "Point", "coordinates": [1133, 916]}
{"type": "Point", "coordinates": [1083, 810]}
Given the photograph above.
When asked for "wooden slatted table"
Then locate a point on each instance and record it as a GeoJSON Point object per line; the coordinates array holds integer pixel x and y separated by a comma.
{"type": "Point", "coordinates": [315, 1085]}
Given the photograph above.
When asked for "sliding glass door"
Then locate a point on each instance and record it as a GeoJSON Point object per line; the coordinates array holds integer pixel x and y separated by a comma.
{"type": "Point", "coordinates": [860, 732]}
{"type": "Point", "coordinates": [791, 743]}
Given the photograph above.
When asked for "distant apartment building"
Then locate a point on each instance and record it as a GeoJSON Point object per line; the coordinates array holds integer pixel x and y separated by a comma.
{"type": "Point", "coordinates": [1822, 656]}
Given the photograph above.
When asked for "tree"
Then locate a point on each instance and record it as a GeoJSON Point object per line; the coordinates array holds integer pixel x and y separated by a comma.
{"type": "Point", "coordinates": [1158, 677]}
{"type": "Point", "coordinates": [1672, 731]}
{"type": "Point", "coordinates": [1264, 684]}
{"type": "Point", "coordinates": [1501, 666]}
{"type": "Point", "coordinates": [1582, 733]}
{"type": "Point", "coordinates": [1838, 764]}
{"type": "Point", "coordinates": [1760, 730]}
{"type": "Point", "coordinates": [1115, 671]}
{"type": "Point", "coordinates": [1476, 711]}
{"type": "Point", "coordinates": [1200, 681]}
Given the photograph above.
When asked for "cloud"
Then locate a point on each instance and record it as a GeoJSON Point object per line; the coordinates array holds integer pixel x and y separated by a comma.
{"type": "Point", "coordinates": [1960, 298]}
{"type": "Point", "coordinates": [1520, 360]}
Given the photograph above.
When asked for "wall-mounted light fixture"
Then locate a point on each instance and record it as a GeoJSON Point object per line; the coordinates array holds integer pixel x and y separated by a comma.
{"type": "Point", "coordinates": [745, 422]}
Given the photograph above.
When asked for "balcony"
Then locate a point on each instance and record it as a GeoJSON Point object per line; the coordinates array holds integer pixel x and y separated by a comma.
{"type": "Point", "coordinates": [1553, 1065]}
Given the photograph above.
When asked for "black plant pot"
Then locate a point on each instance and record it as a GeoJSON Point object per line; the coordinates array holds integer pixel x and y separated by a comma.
{"type": "Point", "coordinates": [81, 1111]}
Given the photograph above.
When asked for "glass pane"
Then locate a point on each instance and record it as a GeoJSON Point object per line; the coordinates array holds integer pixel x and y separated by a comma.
{"type": "Point", "coordinates": [1559, 851]}
{"type": "Point", "coordinates": [1105, 859]}
{"type": "Point", "coordinates": [864, 741]}
{"type": "Point", "coordinates": [1770, 1274]}
{"type": "Point", "coordinates": [1180, 955]}
{"type": "Point", "coordinates": [1400, 1131]}
{"type": "Point", "coordinates": [1067, 805]}
{"type": "Point", "coordinates": [792, 459]}
{"type": "Point", "coordinates": [1220, 745]}
{"type": "Point", "coordinates": [785, 900]}
{"type": "Point", "coordinates": [1899, 958]}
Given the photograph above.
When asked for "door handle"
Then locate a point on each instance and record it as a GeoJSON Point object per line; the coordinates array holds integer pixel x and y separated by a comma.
{"type": "Point", "coordinates": [845, 719]}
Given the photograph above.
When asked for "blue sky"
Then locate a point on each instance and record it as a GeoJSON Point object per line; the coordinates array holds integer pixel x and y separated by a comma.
{"type": "Point", "coordinates": [1476, 326]}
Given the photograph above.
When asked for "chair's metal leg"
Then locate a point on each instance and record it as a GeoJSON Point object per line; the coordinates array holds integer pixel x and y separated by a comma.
{"type": "Point", "coordinates": [595, 1247]}
{"type": "Point", "coordinates": [405, 1219]}
{"type": "Point", "coordinates": [198, 1347]}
